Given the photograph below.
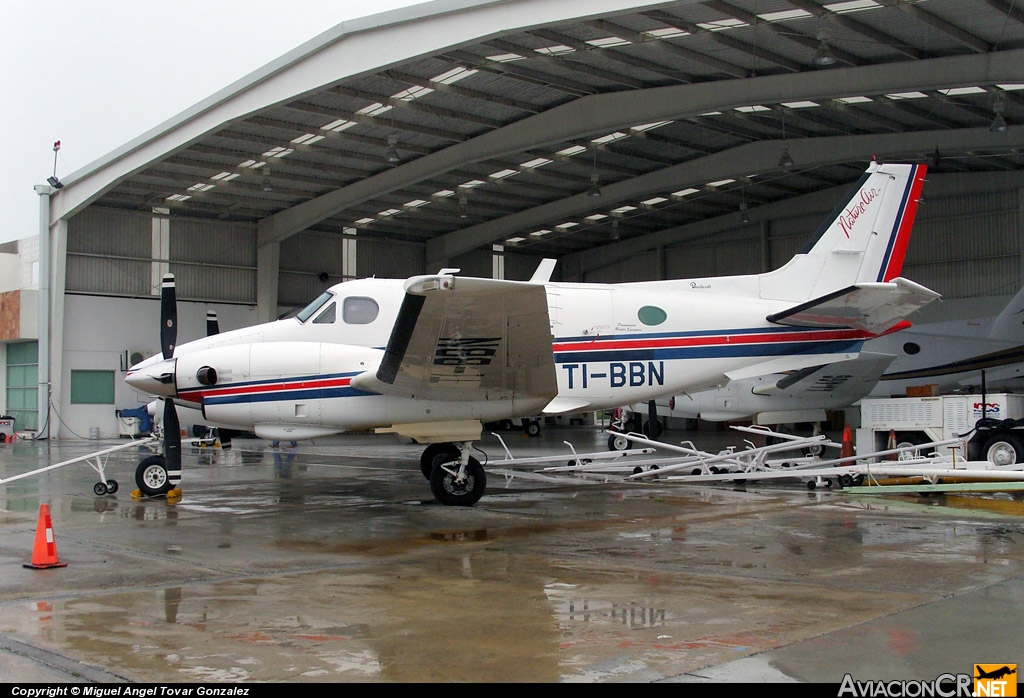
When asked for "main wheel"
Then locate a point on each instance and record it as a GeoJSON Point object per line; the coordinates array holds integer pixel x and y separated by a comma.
{"type": "Point", "coordinates": [449, 491]}
{"type": "Point", "coordinates": [652, 429]}
{"type": "Point", "coordinates": [618, 442]}
{"type": "Point", "coordinates": [433, 451]}
{"type": "Point", "coordinates": [533, 428]}
{"type": "Point", "coordinates": [1004, 449]}
{"type": "Point", "coordinates": [151, 476]}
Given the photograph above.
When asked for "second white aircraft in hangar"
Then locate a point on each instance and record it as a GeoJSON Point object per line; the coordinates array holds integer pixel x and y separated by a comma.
{"type": "Point", "coordinates": [433, 357]}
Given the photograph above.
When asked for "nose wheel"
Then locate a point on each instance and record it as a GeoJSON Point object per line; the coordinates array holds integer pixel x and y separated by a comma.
{"type": "Point", "coordinates": [152, 478]}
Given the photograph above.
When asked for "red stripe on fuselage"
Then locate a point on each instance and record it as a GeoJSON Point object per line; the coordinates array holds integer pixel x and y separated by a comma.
{"type": "Point", "coordinates": [712, 340]}
{"type": "Point", "coordinates": [196, 395]}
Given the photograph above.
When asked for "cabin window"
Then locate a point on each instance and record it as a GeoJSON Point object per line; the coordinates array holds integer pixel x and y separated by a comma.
{"type": "Point", "coordinates": [308, 311]}
{"type": "Point", "coordinates": [650, 315]}
{"type": "Point", "coordinates": [328, 316]}
{"type": "Point", "coordinates": [359, 310]}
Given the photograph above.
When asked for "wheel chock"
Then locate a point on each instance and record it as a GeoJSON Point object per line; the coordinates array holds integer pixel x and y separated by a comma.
{"type": "Point", "coordinates": [174, 494]}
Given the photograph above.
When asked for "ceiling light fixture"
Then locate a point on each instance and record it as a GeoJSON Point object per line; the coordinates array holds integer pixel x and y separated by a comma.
{"type": "Point", "coordinates": [595, 190]}
{"type": "Point", "coordinates": [463, 207]}
{"type": "Point", "coordinates": [392, 152]}
{"type": "Point", "coordinates": [936, 157]}
{"type": "Point", "coordinates": [785, 160]}
{"type": "Point", "coordinates": [823, 56]}
{"type": "Point", "coordinates": [998, 123]}
{"type": "Point", "coordinates": [266, 180]}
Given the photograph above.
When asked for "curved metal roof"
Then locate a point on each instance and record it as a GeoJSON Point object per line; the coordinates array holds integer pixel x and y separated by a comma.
{"type": "Point", "coordinates": [581, 123]}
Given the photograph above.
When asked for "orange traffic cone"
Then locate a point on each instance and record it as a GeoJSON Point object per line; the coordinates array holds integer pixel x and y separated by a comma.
{"type": "Point", "coordinates": [44, 555]}
{"type": "Point", "coordinates": [847, 449]}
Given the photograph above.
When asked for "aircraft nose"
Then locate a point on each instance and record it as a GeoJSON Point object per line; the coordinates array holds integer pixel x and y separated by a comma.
{"type": "Point", "coordinates": [153, 378]}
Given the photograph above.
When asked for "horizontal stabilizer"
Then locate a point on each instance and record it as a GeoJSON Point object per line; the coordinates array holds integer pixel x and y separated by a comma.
{"type": "Point", "coordinates": [874, 307]}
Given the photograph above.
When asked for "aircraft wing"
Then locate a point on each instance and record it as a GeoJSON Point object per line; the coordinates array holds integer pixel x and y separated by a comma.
{"type": "Point", "coordinates": [874, 307]}
{"type": "Point", "coordinates": [463, 338]}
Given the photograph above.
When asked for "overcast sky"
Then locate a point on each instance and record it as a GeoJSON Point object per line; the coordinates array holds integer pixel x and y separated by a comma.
{"type": "Point", "coordinates": [94, 74]}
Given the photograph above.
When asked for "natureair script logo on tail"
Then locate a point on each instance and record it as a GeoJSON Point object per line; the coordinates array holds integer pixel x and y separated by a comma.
{"type": "Point", "coordinates": [848, 218]}
{"type": "Point", "coordinates": [995, 680]}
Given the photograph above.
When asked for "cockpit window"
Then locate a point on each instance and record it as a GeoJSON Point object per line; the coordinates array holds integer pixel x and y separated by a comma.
{"type": "Point", "coordinates": [358, 310]}
{"type": "Point", "coordinates": [328, 316]}
{"type": "Point", "coordinates": [308, 311]}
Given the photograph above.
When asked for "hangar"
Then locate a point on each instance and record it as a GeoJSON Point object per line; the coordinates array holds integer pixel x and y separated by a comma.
{"type": "Point", "coordinates": [627, 140]}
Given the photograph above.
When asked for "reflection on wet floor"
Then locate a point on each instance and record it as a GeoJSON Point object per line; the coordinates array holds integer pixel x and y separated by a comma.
{"type": "Point", "coordinates": [331, 562]}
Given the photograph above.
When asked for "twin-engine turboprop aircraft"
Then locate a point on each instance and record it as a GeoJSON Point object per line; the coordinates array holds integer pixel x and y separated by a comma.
{"type": "Point", "coordinates": [433, 357]}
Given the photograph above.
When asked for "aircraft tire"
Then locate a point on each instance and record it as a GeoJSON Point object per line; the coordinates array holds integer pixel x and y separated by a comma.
{"type": "Point", "coordinates": [433, 451]}
{"type": "Point", "coordinates": [618, 442]}
{"type": "Point", "coordinates": [451, 493]}
{"type": "Point", "coordinates": [533, 428]}
{"type": "Point", "coordinates": [99, 489]}
{"type": "Point", "coordinates": [652, 429]}
{"type": "Point", "coordinates": [151, 476]}
{"type": "Point", "coordinates": [111, 486]}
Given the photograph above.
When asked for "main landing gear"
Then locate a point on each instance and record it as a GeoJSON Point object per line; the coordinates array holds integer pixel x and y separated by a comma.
{"type": "Point", "coordinates": [456, 478]}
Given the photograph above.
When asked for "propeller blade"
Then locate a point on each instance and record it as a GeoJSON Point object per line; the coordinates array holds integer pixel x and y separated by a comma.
{"type": "Point", "coordinates": [172, 443]}
{"type": "Point", "coordinates": [212, 326]}
{"type": "Point", "coordinates": [168, 316]}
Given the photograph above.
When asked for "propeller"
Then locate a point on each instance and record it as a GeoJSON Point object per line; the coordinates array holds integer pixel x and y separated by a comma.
{"type": "Point", "coordinates": [168, 338]}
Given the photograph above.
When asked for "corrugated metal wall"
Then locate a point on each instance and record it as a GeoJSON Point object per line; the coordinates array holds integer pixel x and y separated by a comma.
{"type": "Point", "coordinates": [111, 253]}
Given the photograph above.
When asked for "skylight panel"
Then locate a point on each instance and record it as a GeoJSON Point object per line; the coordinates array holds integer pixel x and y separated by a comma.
{"type": "Point", "coordinates": [654, 201]}
{"type": "Point", "coordinates": [567, 225]}
{"type": "Point", "coordinates": [178, 197]}
{"type": "Point", "coordinates": [252, 164]}
{"type": "Point", "coordinates": [572, 150]}
{"type": "Point", "coordinates": [596, 217]}
{"type": "Point", "coordinates": [953, 91]}
{"type": "Point", "coordinates": [667, 33]}
{"type": "Point", "coordinates": [506, 57]}
{"type": "Point", "coordinates": [388, 213]}
{"type": "Point", "coordinates": [365, 221]}
{"type": "Point", "coordinates": [471, 184]}
{"type": "Point", "coordinates": [907, 95]}
{"type": "Point", "coordinates": [719, 25]}
{"type": "Point", "coordinates": [415, 203]}
{"type": "Point", "coordinates": [201, 186]}
{"type": "Point", "coordinates": [623, 209]}
{"type": "Point", "coordinates": [648, 127]}
{"type": "Point", "coordinates": [611, 137]}
{"type": "Point", "coordinates": [1011, 87]}
{"type": "Point", "coordinates": [540, 233]}
{"type": "Point", "coordinates": [852, 6]}
{"type": "Point", "coordinates": [608, 42]}
{"type": "Point", "coordinates": [278, 152]}
{"type": "Point", "coordinates": [375, 109]}
{"type": "Point", "coordinates": [720, 183]}
{"type": "Point", "coordinates": [225, 176]}
{"type": "Point", "coordinates": [853, 100]}
{"type": "Point", "coordinates": [805, 104]}
{"type": "Point", "coordinates": [684, 192]}
{"type": "Point", "coordinates": [514, 241]}
{"type": "Point", "coordinates": [536, 162]}
{"type": "Point", "coordinates": [784, 15]}
{"type": "Point", "coordinates": [307, 139]}
{"type": "Point", "coordinates": [502, 174]}
{"type": "Point", "coordinates": [555, 50]}
{"type": "Point", "coordinates": [752, 108]}
{"type": "Point", "coordinates": [454, 75]}
{"type": "Point", "coordinates": [338, 125]}
{"type": "Point", "coordinates": [411, 93]}
{"type": "Point", "coordinates": [443, 194]}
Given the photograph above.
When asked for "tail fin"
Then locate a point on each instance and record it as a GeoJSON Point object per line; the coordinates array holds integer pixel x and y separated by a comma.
{"type": "Point", "coordinates": [864, 240]}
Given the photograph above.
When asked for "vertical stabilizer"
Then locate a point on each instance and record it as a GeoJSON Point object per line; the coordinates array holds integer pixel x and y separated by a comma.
{"type": "Point", "coordinates": [863, 240]}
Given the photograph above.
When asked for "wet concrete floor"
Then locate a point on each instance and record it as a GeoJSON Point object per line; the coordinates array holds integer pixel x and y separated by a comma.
{"type": "Point", "coordinates": [330, 562]}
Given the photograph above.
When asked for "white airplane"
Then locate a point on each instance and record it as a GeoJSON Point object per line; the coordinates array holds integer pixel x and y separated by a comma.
{"type": "Point", "coordinates": [433, 357]}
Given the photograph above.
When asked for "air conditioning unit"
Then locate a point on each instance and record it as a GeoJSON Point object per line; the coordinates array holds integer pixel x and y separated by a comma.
{"type": "Point", "coordinates": [130, 357]}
